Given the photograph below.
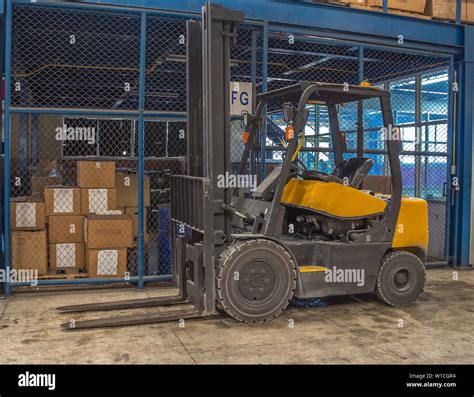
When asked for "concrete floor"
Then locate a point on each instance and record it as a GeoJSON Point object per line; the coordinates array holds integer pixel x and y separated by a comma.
{"type": "Point", "coordinates": [439, 329]}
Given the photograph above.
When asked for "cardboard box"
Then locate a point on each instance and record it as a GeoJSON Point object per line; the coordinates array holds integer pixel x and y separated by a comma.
{"type": "Point", "coordinates": [45, 174]}
{"type": "Point", "coordinates": [108, 231]}
{"type": "Point", "coordinates": [405, 5]}
{"type": "Point", "coordinates": [65, 229]}
{"type": "Point", "coordinates": [444, 9]}
{"type": "Point", "coordinates": [62, 200]}
{"type": "Point", "coordinates": [98, 201]}
{"type": "Point", "coordinates": [127, 190]}
{"type": "Point", "coordinates": [67, 255]}
{"type": "Point", "coordinates": [26, 214]}
{"type": "Point", "coordinates": [469, 11]}
{"type": "Point", "coordinates": [108, 263]}
{"type": "Point", "coordinates": [133, 212]}
{"type": "Point", "coordinates": [378, 184]}
{"type": "Point", "coordinates": [96, 174]}
{"type": "Point", "coordinates": [38, 183]}
{"type": "Point", "coordinates": [29, 251]}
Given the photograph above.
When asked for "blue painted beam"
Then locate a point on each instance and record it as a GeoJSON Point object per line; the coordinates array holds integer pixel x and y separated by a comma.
{"type": "Point", "coordinates": [464, 203]}
{"type": "Point", "coordinates": [328, 18]}
{"type": "Point", "coordinates": [141, 151]}
{"type": "Point", "coordinates": [7, 147]}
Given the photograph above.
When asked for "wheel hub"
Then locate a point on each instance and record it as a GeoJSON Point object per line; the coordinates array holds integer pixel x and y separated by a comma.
{"type": "Point", "coordinates": [401, 279]}
{"type": "Point", "coordinates": [256, 281]}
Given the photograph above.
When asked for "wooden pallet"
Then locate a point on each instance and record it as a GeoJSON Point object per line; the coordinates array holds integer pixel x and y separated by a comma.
{"type": "Point", "coordinates": [451, 20]}
{"type": "Point", "coordinates": [64, 274]}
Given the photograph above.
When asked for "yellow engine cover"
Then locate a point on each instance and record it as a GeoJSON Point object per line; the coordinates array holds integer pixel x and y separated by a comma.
{"type": "Point", "coordinates": [412, 224]}
{"type": "Point", "coordinates": [345, 202]}
{"type": "Point", "coordinates": [332, 199]}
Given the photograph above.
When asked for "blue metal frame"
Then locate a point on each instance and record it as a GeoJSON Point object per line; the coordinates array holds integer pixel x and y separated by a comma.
{"type": "Point", "coordinates": [141, 148]}
{"type": "Point", "coordinates": [376, 30]}
{"type": "Point", "coordinates": [464, 141]}
{"type": "Point", "coordinates": [367, 26]}
{"type": "Point", "coordinates": [7, 146]}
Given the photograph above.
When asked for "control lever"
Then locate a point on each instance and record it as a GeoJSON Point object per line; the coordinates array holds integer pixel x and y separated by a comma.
{"type": "Point", "coordinates": [233, 211]}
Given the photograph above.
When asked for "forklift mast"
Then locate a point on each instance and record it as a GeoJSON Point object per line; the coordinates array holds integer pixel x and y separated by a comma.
{"type": "Point", "coordinates": [208, 104]}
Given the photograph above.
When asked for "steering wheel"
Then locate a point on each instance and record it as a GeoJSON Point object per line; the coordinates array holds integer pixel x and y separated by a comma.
{"type": "Point", "coordinates": [313, 175]}
{"type": "Point", "coordinates": [321, 176]}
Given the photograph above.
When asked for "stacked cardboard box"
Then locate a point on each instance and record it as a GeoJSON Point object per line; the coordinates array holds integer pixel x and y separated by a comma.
{"type": "Point", "coordinates": [47, 174]}
{"type": "Point", "coordinates": [27, 213]}
{"type": "Point", "coordinates": [29, 251]}
{"type": "Point", "coordinates": [62, 200]}
{"type": "Point", "coordinates": [90, 226]}
{"type": "Point", "coordinates": [96, 180]}
{"type": "Point", "coordinates": [127, 198]}
{"type": "Point", "coordinates": [108, 232]}
{"type": "Point", "coordinates": [27, 218]}
{"type": "Point", "coordinates": [446, 9]}
{"type": "Point", "coordinates": [66, 242]}
{"type": "Point", "coordinates": [107, 239]}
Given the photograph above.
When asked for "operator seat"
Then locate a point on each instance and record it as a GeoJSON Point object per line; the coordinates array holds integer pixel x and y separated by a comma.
{"type": "Point", "coordinates": [354, 169]}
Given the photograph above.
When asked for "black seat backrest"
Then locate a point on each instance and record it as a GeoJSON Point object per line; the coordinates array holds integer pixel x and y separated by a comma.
{"type": "Point", "coordinates": [355, 170]}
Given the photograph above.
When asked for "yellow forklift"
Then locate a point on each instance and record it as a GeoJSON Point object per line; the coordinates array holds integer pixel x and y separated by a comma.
{"type": "Point", "coordinates": [300, 233]}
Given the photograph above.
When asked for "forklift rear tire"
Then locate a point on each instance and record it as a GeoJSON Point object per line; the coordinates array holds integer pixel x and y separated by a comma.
{"type": "Point", "coordinates": [256, 280]}
{"type": "Point", "coordinates": [401, 278]}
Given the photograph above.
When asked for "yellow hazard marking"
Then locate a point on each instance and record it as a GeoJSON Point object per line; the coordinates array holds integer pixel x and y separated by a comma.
{"type": "Point", "coordinates": [312, 269]}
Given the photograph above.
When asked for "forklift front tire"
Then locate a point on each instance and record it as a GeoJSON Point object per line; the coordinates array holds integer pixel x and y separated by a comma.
{"type": "Point", "coordinates": [401, 278]}
{"type": "Point", "coordinates": [255, 280]}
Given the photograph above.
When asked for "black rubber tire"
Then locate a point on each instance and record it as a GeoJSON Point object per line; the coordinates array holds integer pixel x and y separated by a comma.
{"type": "Point", "coordinates": [389, 289]}
{"type": "Point", "coordinates": [261, 265]}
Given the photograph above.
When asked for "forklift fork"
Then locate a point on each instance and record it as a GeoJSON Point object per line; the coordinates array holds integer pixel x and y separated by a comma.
{"type": "Point", "coordinates": [194, 269]}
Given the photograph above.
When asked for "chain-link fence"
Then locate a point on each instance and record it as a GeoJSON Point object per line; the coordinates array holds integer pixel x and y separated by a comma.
{"type": "Point", "coordinates": [76, 155]}
{"type": "Point", "coordinates": [74, 172]}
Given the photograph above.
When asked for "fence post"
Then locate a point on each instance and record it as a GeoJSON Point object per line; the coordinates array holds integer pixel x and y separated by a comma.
{"type": "Point", "coordinates": [141, 148]}
{"type": "Point", "coordinates": [7, 146]}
